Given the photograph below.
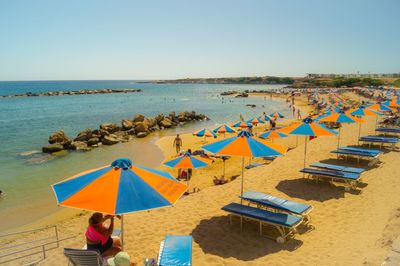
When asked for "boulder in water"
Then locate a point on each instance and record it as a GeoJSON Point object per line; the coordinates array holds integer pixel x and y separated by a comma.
{"type": "Point", "coordinates": [141, 127]}
{"type": "Point", "coordinates": [59, 137]}
{"type": "Point", "coordinates": [93, 141]}
{"type": "Point", "coordinates": [109, 140]}
{"type": "Point", "coordinates": [165, 123]}
{"type": "Point", "coordinates": [55, 147]}
{"type": "Point", "coordinates": [84, 135]}
{"type": "Point", "coordinates": [79, 146]}
{"type": "Point", "coordinates": [126, 124]}
{"type": "Point", "coordinates": [138, 118]}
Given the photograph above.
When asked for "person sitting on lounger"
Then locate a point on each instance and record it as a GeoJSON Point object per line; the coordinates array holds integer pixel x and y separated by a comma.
{"type": "Point", "coordinates": [219, 181]}
{"type": "Point", "coordinates": [98, 236]}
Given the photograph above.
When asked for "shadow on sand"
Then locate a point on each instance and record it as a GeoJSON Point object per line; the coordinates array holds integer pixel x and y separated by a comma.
{"type": "Point", "coordinates": [216, 236]}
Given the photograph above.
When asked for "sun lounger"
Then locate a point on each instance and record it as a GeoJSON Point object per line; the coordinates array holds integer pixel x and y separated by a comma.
{"type": "Point", "coordinates": [389, 130]}
{"type": "Point", "coordinates": [277, 204]}
{"type": "Point", "coordinates": [338, 167]}
{"type": "Point", "coordinates": [363, 150]}
{"type": "Point", "coordinates": [84, 257]}
{"type": "Point", "coordinates": [372, 157]}
{"type": "Point", "coordinates": [379, 139]}
{"type": "Point", "coordinates": [286, 224]}
{"type": "Point", "coordinates": [350, 179]}
{"type": "Point", "coordinates": [253, 165]}
{"type": "Point", "coordinates": [269, 158]}
{"type": "Point", "coordinates": [175, 251]}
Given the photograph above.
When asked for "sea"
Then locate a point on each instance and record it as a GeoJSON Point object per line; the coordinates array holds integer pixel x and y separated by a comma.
{"type": "Point", "coordinates": [26, 174]}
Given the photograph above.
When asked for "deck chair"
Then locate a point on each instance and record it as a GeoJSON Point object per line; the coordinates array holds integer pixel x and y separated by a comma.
{"type": "Point", "coordinates": [175, 251]}
{"type": "Point", "coordinates": [363, 150]}
{"type": "Point", "coordinates": [273, 203]}
{"type": "Point", "coordinates": [336, 167]}
{"type": "Point", "coordinates": [380, 140]}
{"type": "Point", "coordinates": [350, 179]}
{"type": "Point", "coordinates": [286, 224]}
{"type": "Point", "coordinates": [388, 130]}
{"type": "Point", "coordinates": [254, 165]}
{"type": "Point", "coordinates": [80, 257]}
{"type": "Point", "coordinates": [358, 154]}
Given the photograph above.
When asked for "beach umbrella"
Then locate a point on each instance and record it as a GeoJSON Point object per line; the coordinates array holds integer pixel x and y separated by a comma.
{"type": "Point", "coordinates": [255, 121]}
{"type": "Point", "coordinates": [380, 107]}
{"type": "Point", "coordinates": [119, 188]}
{"type": "Point", "coordinates": [224, 129]}
{"type": "Point", "coordinates": [245, 145]}
{"type": "Point", "coordinates": [362, 111]}
{"type": "Point", "coordinates": [341, 117]}
{"type": "Point", "coordinates": [266, 118]}
{"type": "Point", "coordinates": [273, 134]}
{"type": "Point", "coordinates": [392, 103]}
{"type": "Point", "coordinates": [276, 114]}
{"type": "Point", "coordinates": [205, 132]}
{"type": "Point", "coordinates": [187, 161]}
{"type": "Point", "coordinates": [308, 129]}
{"type": "Point", "coordinates": [242, 124]}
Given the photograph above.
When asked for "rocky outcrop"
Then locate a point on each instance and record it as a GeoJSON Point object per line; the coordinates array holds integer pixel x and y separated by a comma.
{"type": "Point", "coordinates": [110, 134]}
{"type": "Point", "coordinates": [71, 92]}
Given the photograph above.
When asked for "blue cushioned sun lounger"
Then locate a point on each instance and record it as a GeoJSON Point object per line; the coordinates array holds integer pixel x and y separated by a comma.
{"type": "Point", "coordinates": [338, 167]}
{"type": "Point", "coordinates": [175, 251]}
{"type": "Point", "coordinates": [285, 223]}
{"type": "Point", "coordinates": [388, 129]}
{"type": "Point", "coordinates": [275, 203]}
{"type": "Point", "coordinates": [253, 165]}
{"type": "Point", "coordinates": [362, 150]}
{"type": "Point", "coordinates": [358, 154]}
{"type": "Point", "coordinates": [350, 179]}
{"type": "Point", "coordinates": [379, 139]}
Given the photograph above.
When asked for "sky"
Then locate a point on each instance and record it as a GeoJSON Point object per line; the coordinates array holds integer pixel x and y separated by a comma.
{"type": "Point", "coordinates": [168, 39]}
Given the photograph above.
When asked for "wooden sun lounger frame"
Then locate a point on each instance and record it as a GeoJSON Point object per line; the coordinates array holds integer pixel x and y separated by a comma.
{"type": "Point", "coordinates": [351, 184]}
{"type": "Point", "coordinates": [305, 215]}
{"type": "Point", "coordinates": [285, 232]}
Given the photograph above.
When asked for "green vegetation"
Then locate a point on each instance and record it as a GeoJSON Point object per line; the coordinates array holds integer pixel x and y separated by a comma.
{"type": "Point", "coordinates": [396, 83]}
{"type": "Point", "coordinates": [347, 82]}
{"type": "Point", "coordinates": [239, 80]}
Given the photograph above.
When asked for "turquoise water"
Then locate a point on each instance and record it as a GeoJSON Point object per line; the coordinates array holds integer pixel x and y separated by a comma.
{"type": "Point", "coordinates": [26, 123]}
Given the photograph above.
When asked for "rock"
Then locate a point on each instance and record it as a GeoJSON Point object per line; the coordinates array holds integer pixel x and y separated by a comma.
{"type": "Point", "coordinates": [138, 118]}
{"type": "Point", "coordinates": [110, 128]}
{"type": "Point", "coordinates": [126, 124]}
{"type": "Point", "coordinates": [55, 147]}
{"type": "Point", "coordinates": [159, 118]}
{"type": "Point", "coordinates": [149, 122]}
{"type": "Point", "coordinates": [142, 134]}
{"type": "Point", "coordinates": [60, 138]}
{"type": "Point", "coordinates": [93, 141]}
{"type": "Point", "coordinates": [181, 118]}
{"type": "Point", "coordinates": [84, 135]}
{"type": "Point", "coordinates": [131, 131]}
{"type": "Point", "coordinates": [172, 116]}
{"type": "Point", "coordinates": [79, 145]}
{"type": "Point", "coordinates": [166, 123]}
{"type": "Point", "coordinates": [109, 140]}
{"type": "Point", "coordinates": [141, 127]}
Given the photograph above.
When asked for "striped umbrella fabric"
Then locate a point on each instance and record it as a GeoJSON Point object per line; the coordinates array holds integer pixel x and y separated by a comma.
{"type": "Point", "coordinates": [245, 145]}
{"type": "Point", "coordinates": [276, 114]}
{"type": "Point", "coordinates": [255, 121]}
{"type": "Point", "coordinates": [205, 132]}
{"type": "Point", "coordinates": [224, 129]}
{"type": "Point", "coordinates": [187, 161]}
{"type": "Point", "coordinates": [242, 125]}
{"type": "Point", "coordinates": [273, 134]}
{"type": "Point", "coordinates": [363, 111]}
{"type": "Point", "coordinates": [119, 188]}
{"type": "Point", "coordinates": [379, 107]}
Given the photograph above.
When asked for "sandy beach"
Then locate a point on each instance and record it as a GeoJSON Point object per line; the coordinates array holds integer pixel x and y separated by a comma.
{"type": "Point", "coordinates": [349, 228]}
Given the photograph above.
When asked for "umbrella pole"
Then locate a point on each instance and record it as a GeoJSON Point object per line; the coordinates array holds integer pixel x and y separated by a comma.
{"type": "Point", "coordinates": [241, 188]}
{"type": "Point", "coordinates": [338, 140]}
{"type": "Point", "coordinates": [376, 123]}
{"type": "Point", "coordinates": [305, 153]}
{"type": "Point", "coordinates": [122, 232]}
{"type": "Point", "coordinates": [359, 134]}
{"type": "Point", "coordinates": [224, 168]}
{"type": "Point", "coordinates": [297, 140]}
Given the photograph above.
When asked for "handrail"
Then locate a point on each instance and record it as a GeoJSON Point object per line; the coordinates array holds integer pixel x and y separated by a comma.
{"type": "Point", "coordinates": [36, 245]}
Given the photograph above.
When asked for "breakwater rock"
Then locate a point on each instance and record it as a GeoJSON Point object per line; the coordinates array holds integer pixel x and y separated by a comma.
{"type": "Point", "coordinates": [71, 92]}
{"type": "Point", "coordinates": [109, 134]}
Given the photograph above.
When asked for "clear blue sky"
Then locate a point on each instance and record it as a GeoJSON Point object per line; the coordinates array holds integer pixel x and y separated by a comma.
{"type": "Point", "coordinates": [103, 39]}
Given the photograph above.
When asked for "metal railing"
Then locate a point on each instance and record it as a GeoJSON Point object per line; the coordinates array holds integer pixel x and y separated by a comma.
{"type": "Point", "coordinates": [19, 250]}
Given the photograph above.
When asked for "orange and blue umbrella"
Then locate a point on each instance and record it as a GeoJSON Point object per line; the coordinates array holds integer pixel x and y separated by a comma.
{"type": "Point", "coordinates": [255, 121]}
{"type": "Point", "coordinates": [205, 132]}
{"type": "Point", "coordinates": [380, 107]}
{"type": "Point", "coordinates": [273, 134]}
{"type": "Point", "coordinates": [224, 129]}
{"type": "Point", "coordinates": [362, 111]}
{"type": "Point", "coordinates": [308, 129]}
{"type": "Point", "coordinates": [187, 161]}
{"type": "Point", "coordinates": [242, 124]}
{"type": "Point", "coordinates": [245, 145]}
{"type": "Point", "coordinates": [276, 114]}
{"type": "Point", "coordinates": [392, 103]}
{"type": "Point", "coordinates": [266, 118]}
{"type": "Point", "coordinates": [119, 188]}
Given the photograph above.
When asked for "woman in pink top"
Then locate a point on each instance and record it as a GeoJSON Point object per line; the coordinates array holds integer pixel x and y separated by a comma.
{"type": "Point", "coordinates": [98, 236]}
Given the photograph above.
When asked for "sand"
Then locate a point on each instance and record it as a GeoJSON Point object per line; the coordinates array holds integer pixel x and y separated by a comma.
{"type": "Point", "coordinates": [350, 228]}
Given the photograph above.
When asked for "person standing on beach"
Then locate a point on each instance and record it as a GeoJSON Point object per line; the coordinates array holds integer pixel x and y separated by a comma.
{"type": "Point", "coordinates": [298, 114]}
{"type": "Point", "coordinates": [294, 110]}
{"type": "Point", "coordinates": [178, 144]}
